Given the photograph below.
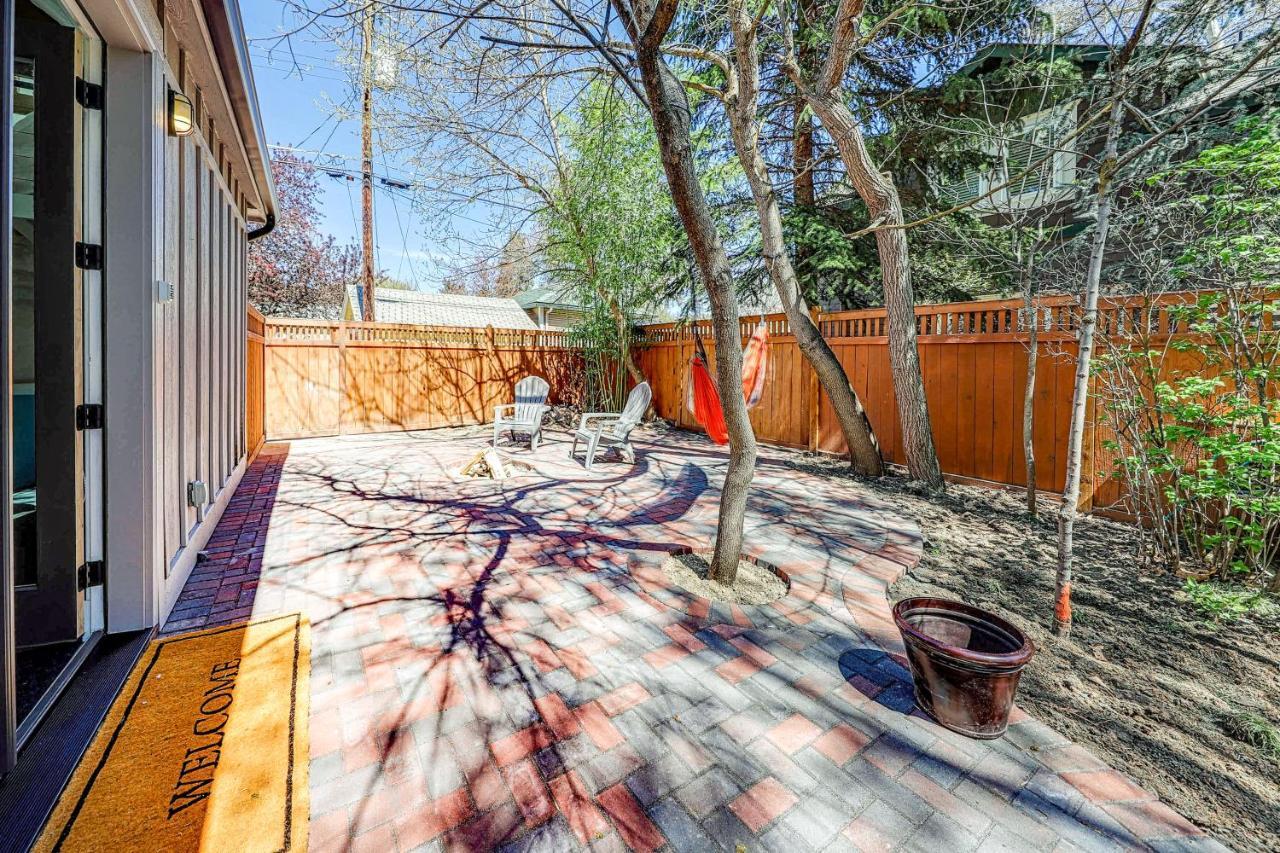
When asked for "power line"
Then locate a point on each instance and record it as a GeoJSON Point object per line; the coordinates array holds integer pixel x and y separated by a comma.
{"type": "Point", "coordinates": [404, 235]}
{"type": "Point", "coordinates": [388, 182]}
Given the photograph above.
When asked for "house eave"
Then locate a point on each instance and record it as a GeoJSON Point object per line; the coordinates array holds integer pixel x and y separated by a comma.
{"type": "Point", "coordinates": [551, 306]}
{"type": "Point", "coordinates": [231, 49]}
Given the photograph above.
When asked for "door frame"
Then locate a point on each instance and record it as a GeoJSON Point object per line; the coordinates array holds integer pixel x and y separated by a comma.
{"type": "Point", "coordinates": [88, 60]}
{"type": "Point", "coordinates": [8, 684]}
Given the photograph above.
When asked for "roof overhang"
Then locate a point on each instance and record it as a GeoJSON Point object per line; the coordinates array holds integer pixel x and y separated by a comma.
{"type": "Point", "coordinates": [1081, 52]}
{"type": "Point", "coordinates": [550, 305]}
{"type": "Point", "coordinates": [231, 49]}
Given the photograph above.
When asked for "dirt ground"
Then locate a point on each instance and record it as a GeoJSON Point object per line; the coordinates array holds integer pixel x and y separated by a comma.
{"type": "Point", "coordinates": [1146, 681]}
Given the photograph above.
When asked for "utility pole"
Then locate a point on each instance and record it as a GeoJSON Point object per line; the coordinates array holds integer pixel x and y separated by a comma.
{"type": "Point", "coordinates": [366, 166]}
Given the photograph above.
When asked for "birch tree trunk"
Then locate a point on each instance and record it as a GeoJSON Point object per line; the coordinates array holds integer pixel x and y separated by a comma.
{"type": "Point", "coordinates": [877, 190]}
{"type": "Point", "coordinates": [1029, 391]}
{"type": "Point", "coordinates": [741, 98]}
{"type": "Point", "coordinates": [1080, 395]}
{"type": "Point", "coordinates": [669, 107]}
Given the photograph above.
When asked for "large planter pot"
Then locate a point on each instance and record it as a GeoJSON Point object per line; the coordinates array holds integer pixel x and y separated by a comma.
{"type": "Point", "coordinates": [965, 663]}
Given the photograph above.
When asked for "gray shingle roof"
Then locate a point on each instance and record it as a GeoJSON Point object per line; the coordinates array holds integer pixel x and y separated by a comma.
{"type": "Point", "coordinates": [442, 309]}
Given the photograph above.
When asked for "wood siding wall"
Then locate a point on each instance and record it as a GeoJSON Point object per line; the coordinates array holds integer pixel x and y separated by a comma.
{"type": "Point", "coordinates": [200, 339]}
{"type": "Point", "coordinates": [322, 378]}
{"type": "Point", "coordinates": [973, 357]}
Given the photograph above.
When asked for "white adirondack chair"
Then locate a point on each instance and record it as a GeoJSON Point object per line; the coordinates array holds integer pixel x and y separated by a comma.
{"type": "Point", "coordinates": [606, 429]}
{"type": "Point", "coordinates": [524, 416]}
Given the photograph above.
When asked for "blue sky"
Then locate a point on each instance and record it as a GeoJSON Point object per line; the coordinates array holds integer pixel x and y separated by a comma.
{"type": "Point", "coordinates": [297, 109]}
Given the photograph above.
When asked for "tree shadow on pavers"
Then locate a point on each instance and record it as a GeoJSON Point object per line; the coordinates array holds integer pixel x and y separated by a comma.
{"type": "Point", "coordinates": [474, 609]}
{"type": "Point", "coordinates": [423, 518]}
{"type": "Point", "coordinates": [690, 484]}
{"type": "Point", "coordinates": [466, 564]}
{"type": "Point", "coordinates": [474, 686]}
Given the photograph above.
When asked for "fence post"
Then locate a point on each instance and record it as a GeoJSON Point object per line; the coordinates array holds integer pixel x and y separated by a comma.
{"type": "Point", "coordinates": [815, 400]}
{"type": "Point", "coordinates": [1088, 451]}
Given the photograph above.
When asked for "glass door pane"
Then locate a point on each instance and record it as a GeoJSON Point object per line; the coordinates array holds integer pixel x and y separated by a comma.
{"type": "Point", "coordinates": [46, 370]}
{"type": "Point", "coordinates": [23, 401]}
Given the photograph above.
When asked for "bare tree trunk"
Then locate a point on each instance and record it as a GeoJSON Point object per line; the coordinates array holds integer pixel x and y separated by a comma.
{"type": "Point", "coordinates": [806, 193]}
{"type": "Point", "coordinates": [1080, 395]}
{"type": "Point", "coordinates": [669, 107]}
{"type": "Point", "coordinates": [1089, 320]}
{"type": "Point", "coordinates": [1029, 392]}
{"type": "Point", "coordinates": [741, 98]}
{"type": "Point", "coordinates": [881, 197]}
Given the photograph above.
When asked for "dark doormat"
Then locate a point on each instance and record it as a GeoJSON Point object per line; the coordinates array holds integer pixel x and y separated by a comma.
{"type": "Point", "coordinates": [46, 762]}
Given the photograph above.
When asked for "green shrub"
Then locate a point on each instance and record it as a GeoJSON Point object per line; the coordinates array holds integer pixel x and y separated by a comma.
{"type": "Point", "coordinates": [1228, 602]}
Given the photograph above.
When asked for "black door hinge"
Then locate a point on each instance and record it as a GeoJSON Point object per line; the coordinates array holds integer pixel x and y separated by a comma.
{"type": "Point", "coordinates": [91, 96]}
{"type": "Point", "coordinates": [89, 416]}
{"type": "Point", "coordinates": [91, 574]}
{"type": "Point", "coordinates": [89, 256]}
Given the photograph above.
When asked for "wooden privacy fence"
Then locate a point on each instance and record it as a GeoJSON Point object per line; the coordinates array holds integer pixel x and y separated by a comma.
{"type": "Point", "coordinates": [316, 378]}
{"type": "Point", "coordinates": [326, 378]}
{"type": "Point", "coordinates": [973, 357]}
{"type": "Point", "coordinates": [254, 409]}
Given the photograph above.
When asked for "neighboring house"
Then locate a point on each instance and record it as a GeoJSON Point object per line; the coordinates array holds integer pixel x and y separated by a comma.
{"type": "Point", "coordinates": [1036, 160]}
{"type": "Point", "coordinates": [139, 172]}
{"type": "Point", "coordinates": [436, 309]}
{"type": "Point", "coordinates": [1031, 138]}
{"type": "Point", "coordinates": [551, 308]}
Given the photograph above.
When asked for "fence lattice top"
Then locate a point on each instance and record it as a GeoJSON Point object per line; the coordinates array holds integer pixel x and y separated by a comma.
{"type": "Point", "coordinates": [1051, 316]}
{"type": "Point", "coordinates": [328, 332]}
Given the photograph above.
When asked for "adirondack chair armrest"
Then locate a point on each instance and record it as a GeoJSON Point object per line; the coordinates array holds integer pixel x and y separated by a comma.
{"type": "Point", "coordinates": [498, 410]}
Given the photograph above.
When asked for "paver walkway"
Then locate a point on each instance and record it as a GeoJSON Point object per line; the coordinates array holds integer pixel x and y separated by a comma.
{"type": "Point", "coordinates": [501, 664]}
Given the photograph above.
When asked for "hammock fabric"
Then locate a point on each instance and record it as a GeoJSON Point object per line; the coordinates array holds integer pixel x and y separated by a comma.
{"type": "Point", "coordinates": [703, 398]}
{"type": "Point", "coordinates": [755, 364]}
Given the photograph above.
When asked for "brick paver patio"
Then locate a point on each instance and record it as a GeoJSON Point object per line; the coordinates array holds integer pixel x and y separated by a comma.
{"type": "Point", "coordinates": [501, 665]}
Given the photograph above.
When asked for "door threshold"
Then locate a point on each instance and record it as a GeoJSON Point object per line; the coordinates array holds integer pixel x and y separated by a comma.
{"type": "Point", "coordinates": [50, 696]}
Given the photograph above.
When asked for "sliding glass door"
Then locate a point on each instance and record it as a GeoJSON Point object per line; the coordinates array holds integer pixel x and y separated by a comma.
{"type": "Point", "coordinates": [51, 293]}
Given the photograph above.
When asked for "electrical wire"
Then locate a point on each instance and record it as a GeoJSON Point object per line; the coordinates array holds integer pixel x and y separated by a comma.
{"type": "Point", "coordinates": [404, 235]}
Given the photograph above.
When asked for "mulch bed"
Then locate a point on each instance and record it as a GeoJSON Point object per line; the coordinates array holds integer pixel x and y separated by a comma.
{"type": "Point", "coordinates": [754, 584]}
{"type": "Point", "coordinates": [1148, 682]}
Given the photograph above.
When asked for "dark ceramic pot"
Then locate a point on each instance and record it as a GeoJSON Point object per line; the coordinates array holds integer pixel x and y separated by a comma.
{"type": "Point", "coordinates": [965, 662]}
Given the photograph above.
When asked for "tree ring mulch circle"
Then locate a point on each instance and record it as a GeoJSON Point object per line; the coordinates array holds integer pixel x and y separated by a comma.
{"type": "Point", "coordinates": [793, 607]}
{"type": "Point", "coordinates": [756, 583]}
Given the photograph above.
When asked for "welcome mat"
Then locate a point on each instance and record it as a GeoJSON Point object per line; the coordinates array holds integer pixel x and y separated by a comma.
{"type": "Point", "coordinates": [204, 749]}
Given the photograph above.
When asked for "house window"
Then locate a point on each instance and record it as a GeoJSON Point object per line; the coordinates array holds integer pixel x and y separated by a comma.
{"type": "Point", "coordinates": [971, 184]}
{"type": "Point", "coordinates": [1039, 157]}
{"type": "Point", "coordinates": [1026, 156]}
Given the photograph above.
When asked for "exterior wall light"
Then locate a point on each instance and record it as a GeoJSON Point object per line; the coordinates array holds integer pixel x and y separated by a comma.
{"type": "Point", "coordinates": [182, 116]}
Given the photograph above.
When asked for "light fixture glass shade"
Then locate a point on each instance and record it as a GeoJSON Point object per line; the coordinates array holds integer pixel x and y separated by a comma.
{"type": "Point", "coordinates": [182, 115]}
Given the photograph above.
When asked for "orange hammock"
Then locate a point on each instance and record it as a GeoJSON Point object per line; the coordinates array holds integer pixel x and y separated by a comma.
{"type": "Point", "coordinates": [755, 364]}
{"type": "Point", "coordinates": [704, 401]}
{"type": "Point", "coordinates": [703, 396]}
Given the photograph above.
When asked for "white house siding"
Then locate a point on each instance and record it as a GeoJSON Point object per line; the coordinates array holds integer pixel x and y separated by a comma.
{"type": "Point", "coordinates": [556, 318]}
{"type": "Point", "coordinates": [200, 339]}
{"type": "Point", "coordinates": [186, 198]}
